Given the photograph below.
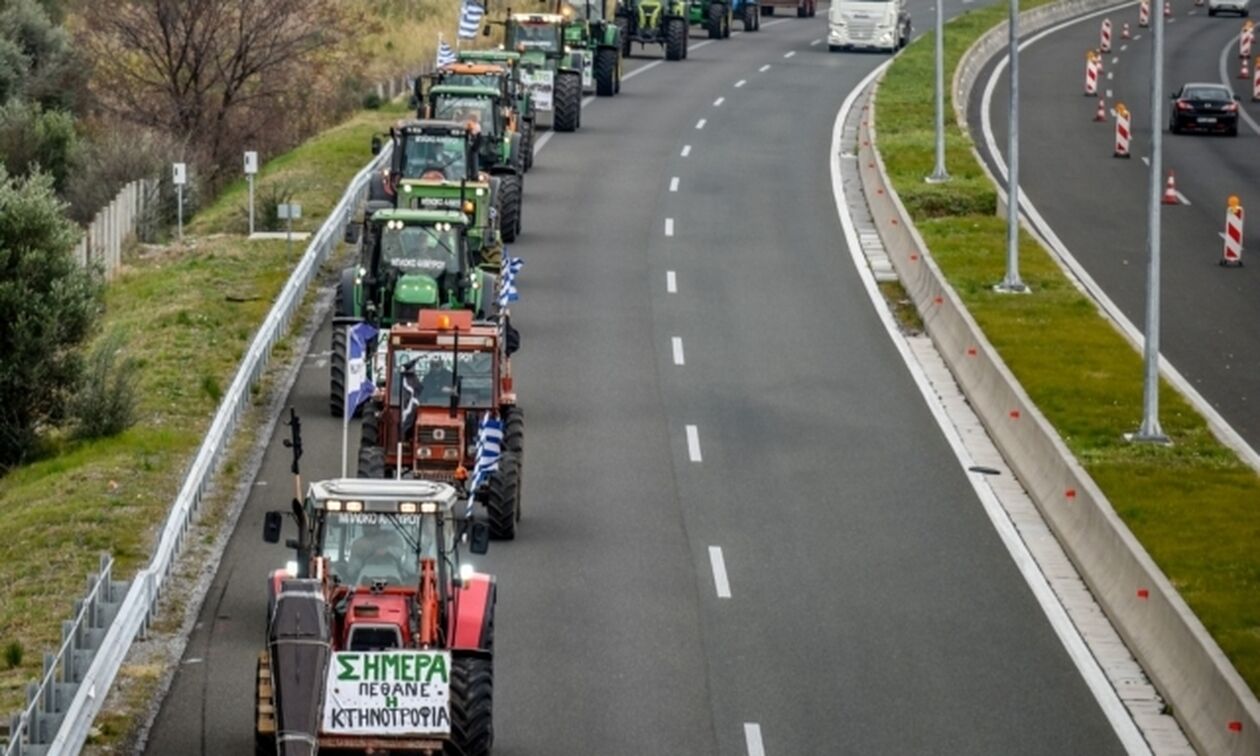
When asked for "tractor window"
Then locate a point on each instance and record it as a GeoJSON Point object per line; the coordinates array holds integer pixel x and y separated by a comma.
{"type": "Point", "coordinates": [431, 152]}
{"type": "Point", "coordinates": [363, 547]}
{"type": "Point", "coordinates": [545, 37]}
{"type": "Point", "coordinates": [433, 371]}
{"type": "Point", "coordinates": [420, 249]}
{"type": "Point", "coordinates": [581, 8]}
{"type": "Point", "coordinates": [474, 80]}
{"type": "Point", "coordinates": [479, 110]}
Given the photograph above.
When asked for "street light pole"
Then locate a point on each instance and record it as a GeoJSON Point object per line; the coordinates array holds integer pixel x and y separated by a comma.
{"type": "Point", "coordinates": [1011, 283]}
{"type": "Point", "coordinates": [1150, 430]}
{"type": "Point", "coordinates": [940, 175]}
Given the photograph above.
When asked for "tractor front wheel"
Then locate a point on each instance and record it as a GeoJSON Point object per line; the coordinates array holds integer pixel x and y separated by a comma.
{"type": "Point", "coordinates": [606, 71]}
{"type": "Point", "coordinates": [371, 462]}
{"type": "Point", "coordinates": [752, 17]}
{"type": "Point", "coordinates": [337, 382]}
{"type": "Point", "coordinates": [513, 428]}
{"type": "Point", "coordinates": [568, 100]}
{"type": "Point", "coordinates": [623, 30]}
{"type": "Point", "coordinates": [502, 497]}
{"type": "Point", "coordinates": [717, 21]}
{"type": "Point", "coordinates": [527, 142]}
{"type": "Point", "coordinates": [510, 206]}
{"type": "Point", "coordinates": [472, 707]}
{"type": "Point", "coordinates": [675, 39]}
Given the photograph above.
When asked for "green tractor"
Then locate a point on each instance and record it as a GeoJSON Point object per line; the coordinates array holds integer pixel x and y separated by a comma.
{"type": "Point", "coordinates": [654, 22]}
{"type": "Point", "coordinates": [593, 44]}
{"type": "Point", "coordinates": [716, 16]}
{"type": "Point", "coordinates": [409, 260]}
{"type": "Point", "coordinates": [547, 71]}
{"type": "Point", "coordinates": [500, 150]}
{"type": "Point", "coordinates": [523, 103]}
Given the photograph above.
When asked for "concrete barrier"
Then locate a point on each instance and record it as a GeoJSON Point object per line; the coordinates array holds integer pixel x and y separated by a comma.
{"type": "Point", "coordinates": [1217, 710]}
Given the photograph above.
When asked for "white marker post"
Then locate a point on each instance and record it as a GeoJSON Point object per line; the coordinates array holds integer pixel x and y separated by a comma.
{"type": "Point", "coordinates": [251, 168]}
{"type": "Point", "coordinates": [287, 211]}
{"type": "Point", "coordinates": [179, 177]}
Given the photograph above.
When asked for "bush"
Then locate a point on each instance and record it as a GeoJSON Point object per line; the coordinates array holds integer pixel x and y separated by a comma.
{"type": "Point", "coordinates": [372, 101]}
{"type": "Point", "coordinates": [267, 209]}
{"type": "Point", "coordinates": [34, 139]}
{"type": "Point", "coordinates": [111, 159]}
{"type": "Point", "coordinates": [106, 400]}
{"type": "Point", "coordinates": [47, 305]}
{"type": "Point", "coordinates": [13, 653]}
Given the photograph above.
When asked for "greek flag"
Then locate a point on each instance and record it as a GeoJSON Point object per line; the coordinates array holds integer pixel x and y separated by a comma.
{"type": "Point", "coordinates": [359, 386]}
{"type": "Point", "coordinates": [489, 447]}
{"type": "Point", "coordinates": [445, 55]}
{"type": "Point", "coordinates": [409, 397]}
{"type": "Point", "coordinates": [470, 16]}
{"type": "Point", "coordinates": [507, 280]}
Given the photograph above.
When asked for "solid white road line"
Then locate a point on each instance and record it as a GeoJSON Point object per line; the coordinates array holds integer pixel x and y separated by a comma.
{"type": "Point", "coordinates": [686, 150]}
{"type": "Point", "coordinates": [678, 351]}
{"type": "Point", "coordinates": [718, 102]}
{"type": "Point", "coordinates": [673, 184]}
{"type": "Point", "coordinates": [700, 124]}
{"type": "Point", "coordinates": [669, 226]}
{"type": "Point", "coordinates": [764, 68]}
{"type": "Point", "coordinates": [752, 736]}
{"type": "Point", "coordinates": [741, 83]}
{"type": "Point", "coordinates": [671, 282]}
{"type": "Point", "coordinates": [1227, 81]}
{"type": "Point", "coordinates": [789, 53]}
{"type": "Point", "coordinates": [693, 444]}
{"type": "Point", "coordinates": [720, 582]}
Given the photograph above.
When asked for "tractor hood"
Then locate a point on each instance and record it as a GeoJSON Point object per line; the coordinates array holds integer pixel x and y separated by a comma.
{"type": "Point", "coordinates": [418, 288]}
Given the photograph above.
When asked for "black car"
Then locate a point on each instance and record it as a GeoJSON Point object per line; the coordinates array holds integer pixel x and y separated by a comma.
{"type": "Point", "coordinates": [1204, 107]}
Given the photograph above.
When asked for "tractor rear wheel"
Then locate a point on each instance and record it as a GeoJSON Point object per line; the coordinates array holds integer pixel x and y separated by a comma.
{"type": "Point", "coordinates": [568, 101]}
{"type": "Point", "coordinates": [675, 39]}
{"type": "Point", "coordinates": [717, 20]}
{"type": "Point", "coordinates": [472, 707]}
{"type": "Point", "coordinates": [623, 30]}
{"type": "Point", "coordinates": [527, 142]}
{"type": "Point", "coordinates": [510, 206]}
{"type": "Point", "coordinates": [370, 431]}
{"type": "Point", "coordinates": [606, 71]}
{"type": "Point", "coordinates": [752, 17]}
{"type": "Point", "coordinates": [371, 462]}
{"type": "Point", "coordinates": [337, 384]}
{"type": "Point", "coordinates": [502, 497]}
{"type": "Point", "coordinates": [513, 428]}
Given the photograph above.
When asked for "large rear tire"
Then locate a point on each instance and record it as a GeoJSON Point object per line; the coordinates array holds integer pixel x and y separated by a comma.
{"type": "Point", "coordinates": [606, 72]}
{"type": "Point", "coordinates": [717, 21]}
{"type": "Point", "coordinates": [675, 39]}
{"type": "Point", "coordinates": [371, 462]}
{"type": "Point", "coordinates": [752, 17]}
{"type": "Point", "coordinates": [513, 428]}
{"type": "Point", "coordinates": [510, 206]}
{"type": "Point", "coordinates": [502, 497]}
{"type": "Point", "coordinates": [527, 142]}
{"type": "Point", "coordinates": [568, 101]}
{"type": "Point", "coordinates": [472, 707]}
{"type": "Point", "coordinates": [623, 27]}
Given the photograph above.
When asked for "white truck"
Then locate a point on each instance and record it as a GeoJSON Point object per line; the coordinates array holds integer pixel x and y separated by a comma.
{"type": "Point", "coordinates": [868, 24]}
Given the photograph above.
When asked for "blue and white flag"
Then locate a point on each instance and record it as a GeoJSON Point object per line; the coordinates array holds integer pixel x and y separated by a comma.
{"type": "Point", "coordinates": [359, 386]}
{"type": "Point", "coordinates": [445, 55]}
{"type": "Point", "coordinates": [470, 16]}
{"type": "Point", "coordinates": [507, 280]}
{"type": "Point", "coordinates": [489, 448]}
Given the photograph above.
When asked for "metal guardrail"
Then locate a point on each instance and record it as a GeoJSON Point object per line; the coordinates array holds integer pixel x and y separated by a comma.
{"type": "Point", "coordinates": [30, 734]}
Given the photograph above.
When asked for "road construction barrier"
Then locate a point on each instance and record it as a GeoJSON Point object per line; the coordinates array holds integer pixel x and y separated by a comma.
{"type": "Point", "coordinates": [1170, 191]}
{"type": "Point", "coordinates": [1100, 115]}
{"type": "Point", "coordinates": [1255, 82]}
{"type": "Point", "coordinates": [1245, 39]}
{"type": "Point", "coordinates": [1232, 254]}
{"type": "Point", "coordinates": [1093, 67]}
{"type": "Point", "coordinates": [1122, 131]}
{"type": "Point", "coordinates": [1167, 8]}
{"type": "Point", "coordinates": [1144, 14]}
{"type": "Point", "coordinates": [1104, 36]}
{"type": "Point", "coordinates": [1243, 71]}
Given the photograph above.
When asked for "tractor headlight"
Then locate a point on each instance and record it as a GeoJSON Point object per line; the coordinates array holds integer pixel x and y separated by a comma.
{"type": "Point", "coordinates": [428, 507]}
{"type": "Point", "coordinates": [332, 505]}
{"type": "Point", "coordinates": [407, 188]}
{"type": "Point", "coordinates": [290, 568]}
{"type": "Point", "coordinates": [466, 571]}
{"type": "Point", "coordinates": [425, 452]}
{"type": "Point", "coordinates": [354, 506]}
{"type": "Point", "coordinates": [408, 507]}
{"type": "Point", "coordinates": [480, 192]}
{"type": "Point", "coordinates": [450, 453]}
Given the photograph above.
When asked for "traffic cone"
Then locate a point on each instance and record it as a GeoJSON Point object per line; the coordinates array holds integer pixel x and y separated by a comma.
{"type": "Point", "coordinates": [1124, 32]}
{"type": "Point", "coordinates": [1232, 253]}
{"type": "Point", "coordinates": [1170, 191]}
{"type": "Point", "coordinates": [1244, 73]}
{"type": "Point", "coordinates": [1101, 114]}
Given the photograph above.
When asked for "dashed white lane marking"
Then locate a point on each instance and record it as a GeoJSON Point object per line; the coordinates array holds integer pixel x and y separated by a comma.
{"type": "Point", "coordinates": [1115, 61]}
{"type": "Point", "coordinates": [671, 282]}
{"type": "Point", "coordinates": [1171, 20]}
{"type": "Point", "coordinates": [700, 124]}
{"type": "Point", "coordinates": [752, 736]}
{"type": "Point", "coordinates": [718, 102]}
{"type": "Point", "coordinates": [816, 42]}
{"type": "Point", "coordinates": [1111, 75]}
{"type": "Point", "coordinates": [764, 68]}
{"type": "Point", "coordinates": [720, 582]}
{"type": "Point", "coordinates": [1123, 48]}
{"type": "Point", "coordinates": [789, 53]}
{"type": "Point", "coordinates": [740, 83]}
{"type": "Point", "coordinates": [1147, 161]}
{"type": "Point", "coordinates": [669, 226]}
{"type": "Point", "coordinates": [693, 443]}
{"type": "Point", "coordinates": [673, 184]}
{"type": "Point", "coordinates": [1181, 197]}
{"type": "Point", "coordinates": [1109, 97]}
{"type": "Point", "coordinates": [686, 150]}
{"type": "Point", "coordinates": [1136, 37]}
{"type": "Point", "coordinates": [679, 359]}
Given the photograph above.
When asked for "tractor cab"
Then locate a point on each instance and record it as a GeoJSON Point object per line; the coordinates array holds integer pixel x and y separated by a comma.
{"type": "Point", "coordinates": [484, 111]}
{"type": "Point", "coordinates": [535, 36]}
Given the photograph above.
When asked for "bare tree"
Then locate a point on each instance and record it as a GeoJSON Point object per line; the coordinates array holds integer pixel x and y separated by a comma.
{"type": "Point", "coordinates": [213, 72]}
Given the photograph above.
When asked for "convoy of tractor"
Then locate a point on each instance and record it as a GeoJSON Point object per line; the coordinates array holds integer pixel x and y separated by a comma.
{"type": "Point", "coordinates": [378, 638]}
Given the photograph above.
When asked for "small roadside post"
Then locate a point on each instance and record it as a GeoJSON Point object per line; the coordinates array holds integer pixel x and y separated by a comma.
{"type": "Point", "coordinates": [288, 211]}
{"type": "Point", "coordinates": [251, 168]}
{"type": "Point", "coordinates": [179, 177]}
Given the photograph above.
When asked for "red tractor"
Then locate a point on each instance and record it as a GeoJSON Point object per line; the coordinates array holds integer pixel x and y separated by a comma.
{"type": "Point", "coordinates": [442, 377]}
{"type": "Point", "coordinates": [378, 638]}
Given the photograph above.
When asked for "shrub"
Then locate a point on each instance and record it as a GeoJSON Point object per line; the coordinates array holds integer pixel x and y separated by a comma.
{"type": "Point", "coordinates": [105, 403]}
{"type": "Point", "coordinates": [32, 138]}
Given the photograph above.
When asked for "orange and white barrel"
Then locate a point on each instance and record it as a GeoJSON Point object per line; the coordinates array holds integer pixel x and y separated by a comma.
{"type": "Point", "coordinates": [1144, 14]}
{"type": "Point", "coordinates": [1104, 36]}
{"type": "Point", "coordinates": [1232, 254]}
{"type": "Point", "coordinates": [1093, 67]}
{"type": "Point", "coordinates": [1123, 132]}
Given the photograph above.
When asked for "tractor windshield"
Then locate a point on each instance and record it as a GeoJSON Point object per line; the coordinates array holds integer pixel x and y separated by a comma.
{"type": "Point", "coordinates": [545, 37]}
{"type": "Point", "coordinates": [474, 80]}
{"type": "Point", "coordinates": [432, 250]}
{"type": "Point", "coordinates": [434, 156]}
{"type": "Point", "coordinates": [478, 110]}
{"type": "Point", "coordinates": [433, 372]}
{"type": "Point", "coordinates": [366, 547]}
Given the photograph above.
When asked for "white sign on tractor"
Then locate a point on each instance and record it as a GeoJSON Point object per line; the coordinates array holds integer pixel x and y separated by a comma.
{"type": "Point", "coordinates": [403, 692]}
{"type": "Point", "coordinates": [540, 84]}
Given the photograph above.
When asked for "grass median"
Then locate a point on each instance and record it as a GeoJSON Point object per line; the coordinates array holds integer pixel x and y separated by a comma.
{"type": "Point", "coordinates": [188, 312]}
{"type": "Point", "coordinates": [1193, 504]}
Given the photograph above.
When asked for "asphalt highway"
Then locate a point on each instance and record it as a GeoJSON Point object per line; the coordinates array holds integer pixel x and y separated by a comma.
{"type": "Point", "coordinates": [743, 532]}
{"type": "Point", "coordinates": [1097, 204]}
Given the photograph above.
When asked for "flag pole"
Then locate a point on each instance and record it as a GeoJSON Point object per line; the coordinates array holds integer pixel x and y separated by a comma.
{"type": "Point", "coordinates": [345, 410]}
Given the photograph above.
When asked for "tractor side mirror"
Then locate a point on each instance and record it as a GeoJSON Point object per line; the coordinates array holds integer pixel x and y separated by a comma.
{"type": "Point", "coordinates": [272, 523]}
{"type": "Point", "coordinates": [1172, 96]}
{"type": "Point", "coordinates": [376, 144]}
{"type": "Point", "coordinates": [352, 233]}
{"type": "Point", "coordinates": [478, 537]}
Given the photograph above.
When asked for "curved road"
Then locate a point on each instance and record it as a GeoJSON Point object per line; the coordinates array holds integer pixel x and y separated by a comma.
{"type": "Point", "coordinates": [1210, 324]}
{"type": "Point", "coordinates": [871, 608]}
